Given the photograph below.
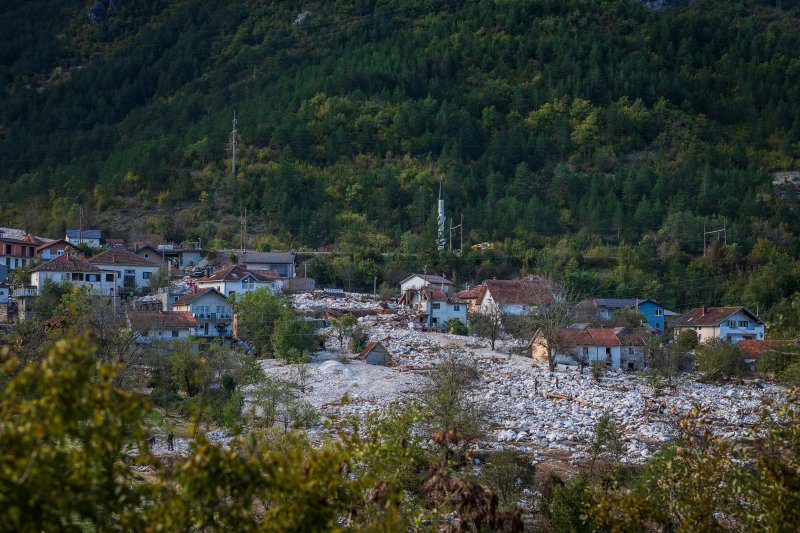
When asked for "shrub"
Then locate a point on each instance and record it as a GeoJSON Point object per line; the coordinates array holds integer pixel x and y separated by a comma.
{"type": "Point", "coordinates": [358, 340]}
{"type": "Point", "coordinates": [456, 327]}
{"type": "Point", "coordinates": [719, 360]}
{"type": "Point", "coordinates": [293, 338]}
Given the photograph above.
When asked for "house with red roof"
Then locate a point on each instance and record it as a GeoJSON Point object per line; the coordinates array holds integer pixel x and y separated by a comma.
{"type": "Point", "coordinates": [236, 279]}
{"type": "Point", "coordinates": [518, 296]}
{"type": "Point", "coordinates": [70, 268]}
{"type": "Point", "coordinates": [733, 324]}
{"type": "Point", "coordinates": [133, 272]}
{"type": "Point", "coordinates": [614, 347]}
{"type": "Point", "coordinates": [52, 249]}
{"type": "Point", "coordinates": [753, 350]}
{"type": "Point", "coordinates": [471, 297]}
{"type": "Point", "coordinates": [161, 326]}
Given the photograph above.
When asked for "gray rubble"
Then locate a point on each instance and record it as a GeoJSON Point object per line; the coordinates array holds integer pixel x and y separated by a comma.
{"type": "Point", "coordinates": [526, 407]}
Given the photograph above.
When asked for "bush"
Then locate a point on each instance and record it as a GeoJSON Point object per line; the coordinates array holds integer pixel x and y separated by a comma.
{"type": "Point", "coordinates": [456, 327]}
{"type": "Point", "coordinates": [567, 505]}
{"type": "Point", "coordinates": [598, 369]}
{"type": "Point", "coordinates": [293, 338]}
{"type": "Point", "coordinates": [509, 473]}
{"type": "Point", "coordinates": [447, 404]}
{"type": "Point", "coordinates": [358, 340]}
{"type": "Point", "coordinates": [719, 360]}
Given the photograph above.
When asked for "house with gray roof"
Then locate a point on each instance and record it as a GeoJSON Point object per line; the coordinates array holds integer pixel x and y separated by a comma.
{"type": "Point", "coordinates": [280, 262]}
{"type": "Point", "coordinates": [90, 237]}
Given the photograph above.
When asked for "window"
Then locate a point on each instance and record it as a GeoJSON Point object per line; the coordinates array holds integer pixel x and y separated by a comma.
{"type": "Point", "coordinates": [585, 351]}
{"type": "Point", "coordinates": [201, 311]}
{"type": "Point", "coordinates": [751, 325]}
{"type": "Point", "coordinates": [434, 320]}
{"type": "Point", "coordinates": [456, 308]}
{"type": "Point", "coordinates": [147, 256]}
{"type": "Point", "coordinates": [744, 323]}
{"type": "Point", "coordinates": [247, 284]}
{"type": "Point", "coordinates": [436, 306]}
{"type": "Point", "coordinates": [731, 324]}
{"type": "Point", "coordinates": [77, 276]}
{"type": "Point", "coordinates": [174, 332]}
{"type": "Point", "coordinates": [110, 278]}
{"type": "Point", "coordinates": [59, 252]}
{"type": "Point", "coordinates": [630, 351]}
{"type": "Point", "coordinates": [146, 275]}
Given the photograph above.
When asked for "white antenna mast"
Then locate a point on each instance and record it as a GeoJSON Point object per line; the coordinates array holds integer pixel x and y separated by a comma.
{"type": "Point", "coordinates": [233, 145]}
{"type": "Point", "coordinates": [441, 242]}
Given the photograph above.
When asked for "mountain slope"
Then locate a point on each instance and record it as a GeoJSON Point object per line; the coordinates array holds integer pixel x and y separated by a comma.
{"type": "Point", "coordinates": [542, 117]}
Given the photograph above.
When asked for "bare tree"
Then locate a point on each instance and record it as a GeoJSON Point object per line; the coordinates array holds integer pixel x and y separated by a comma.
{"type": "Point", "coordinates": [488, 323]}
{"type": "Point", "coordinates": [549, 323]}
{"type": "Point", "coordinates": [662, 359]}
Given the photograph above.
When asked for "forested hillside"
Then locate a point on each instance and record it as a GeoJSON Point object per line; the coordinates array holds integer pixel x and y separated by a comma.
{"type": "Point", "coordinates": [614, 121]}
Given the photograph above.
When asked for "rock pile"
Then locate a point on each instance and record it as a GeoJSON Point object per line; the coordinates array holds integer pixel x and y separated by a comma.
{"type": "Point", "coordinates": [528, 407]}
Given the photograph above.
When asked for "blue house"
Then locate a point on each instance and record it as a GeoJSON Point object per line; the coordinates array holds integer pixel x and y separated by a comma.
{"type": "Point", "coordinates": [603, 309]}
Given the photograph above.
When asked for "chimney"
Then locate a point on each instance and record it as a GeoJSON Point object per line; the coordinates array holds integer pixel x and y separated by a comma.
{"type": "Point", "coordinates": [703, 310]}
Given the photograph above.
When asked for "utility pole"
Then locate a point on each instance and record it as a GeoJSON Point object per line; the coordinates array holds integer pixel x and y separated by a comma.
{"type": "Point", "coordinates": [243, 230]}
{"type": "Point", "coordinates": [722, 231]}
{"type": "Point", "coordinates": [459, 227]}
{"type": "Point", "coordinates": [80, 226]}
{"type": "Point", "coordinates": [233, 146]}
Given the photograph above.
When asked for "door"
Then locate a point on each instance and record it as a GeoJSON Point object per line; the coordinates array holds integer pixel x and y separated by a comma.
{"type": "Point", "coordinates": [129, 279]}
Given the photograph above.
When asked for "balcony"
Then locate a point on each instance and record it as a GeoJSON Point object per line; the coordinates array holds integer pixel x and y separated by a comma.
{"type": "Point", "coordinates": [26, 292]}
{"type": "Point", "coordinates": [213, 317]}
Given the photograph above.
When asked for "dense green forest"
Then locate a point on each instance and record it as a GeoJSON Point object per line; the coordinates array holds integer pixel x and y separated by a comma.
{"type": "Point", "coordinates": [592, 139]}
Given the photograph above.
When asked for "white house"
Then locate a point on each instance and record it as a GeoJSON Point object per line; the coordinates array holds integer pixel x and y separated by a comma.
{"type": "Point", "coordinates": [732, 324]}
{"type": "Point", "coordinates": [72, 269]}
{"type": "Point", "coordinates": [236, 279]}
{"type": "Point", "coordinates": [88, 236]}
{"type": "Point", "coordinates": [150, 327]}
{"type": "Point", "coordinates": [417, 281]}
{"type": "Point", "coordinates": [518, 296]}
{"type": "Point", "coordinates": [133, 272]}
{"type": "Point", "coordinates": [280, 262]}
{"type": "Point", "coordinates": [574, 346]}
{"type": "Point", "coordinates": [435, 307]}
{"type": "Point", "coordinates": [211, 310]}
